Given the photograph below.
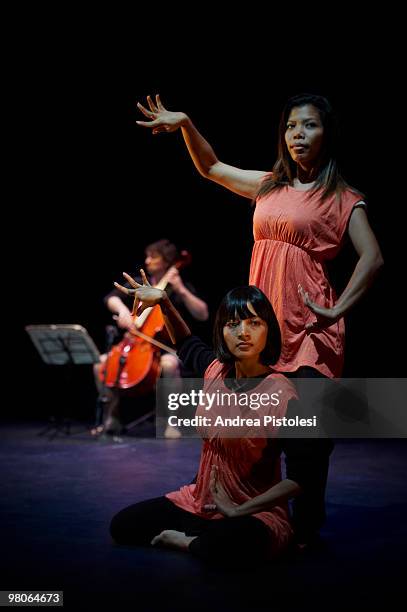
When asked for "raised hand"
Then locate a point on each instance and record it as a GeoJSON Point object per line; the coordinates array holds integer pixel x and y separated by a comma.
{"type": "Point", "coordinates": [160, 119]}
{"type": "Point", "coordinates": [325, 317]}
{"type": "Point", "coordinates": [145, 293]}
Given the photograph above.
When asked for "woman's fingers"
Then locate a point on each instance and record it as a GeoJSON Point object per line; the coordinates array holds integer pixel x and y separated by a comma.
{"type": "Point", "coordinates": [131, 281]}
{"type": "Point", "coordinates": [156, 540]}
{"type": "Point", "coordinates": [213, 480]}
{"type": "Point", "coordinates": [144, 277]}
{"type": "Point", "coordinates": [145, 111]}
{"type": "Point", "coordinates": [151, 104]}
{"type": "Point", "coordinates": [305, 297]}
{"type": "Point", "coordinates": [158, 130]}
{"type": "Point", "coordinates": [325, 316]}
{"type": "Point", "coordinates": [160, 105]}
{"type": "Point", "coordinates": [125, 290]}
{"type": "Point", "coordinates": [152, 115]}
{"type": "Point", "coordinates": [209, 507]}
{"type": "Point", "coordinates": [302, 292]}
{"type": "Point", "coordinates": [149, 124]}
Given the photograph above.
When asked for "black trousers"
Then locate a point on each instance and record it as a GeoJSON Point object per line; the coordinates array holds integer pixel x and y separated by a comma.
{"type": "Point", "coordinates": [308, 510]}
{"type": "Point", "coordinates": [241, 541]}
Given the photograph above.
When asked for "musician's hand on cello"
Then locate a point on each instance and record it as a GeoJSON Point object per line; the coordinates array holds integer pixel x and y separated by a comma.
{"type": "Point", "coordinates": [124, 319]}
{"type": "Point", "coordinates": [145, 295]}
{"type": "Point", "coordinates": [173, 277]}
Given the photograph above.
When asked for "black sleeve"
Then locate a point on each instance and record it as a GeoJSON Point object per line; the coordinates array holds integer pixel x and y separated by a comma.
{"type": "Point", "coordinates": [190, 287]}
{"type": "Point", "coordinates": [195, 355]}
{"type": "Point", "coordinates": [306, 459]}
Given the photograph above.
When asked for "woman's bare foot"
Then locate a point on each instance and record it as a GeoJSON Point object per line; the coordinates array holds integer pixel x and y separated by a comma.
{"type": "Point", "coordinates": [172, 432]}
{"type": "Point", "coordinates": [173, 539]}
{"type": "Point", "coordinates": [97, 431]}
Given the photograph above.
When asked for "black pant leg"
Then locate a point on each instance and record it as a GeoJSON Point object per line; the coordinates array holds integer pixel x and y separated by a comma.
{"type": "Point", "coordinates": [139, 523]}
{"type": "Point", "coordinates": [309, 508]}
{"type": "Point", "coordinates": [242, 541]}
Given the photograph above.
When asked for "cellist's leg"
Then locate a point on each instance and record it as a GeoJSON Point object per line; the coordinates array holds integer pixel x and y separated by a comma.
{"type": "Point", "coordinates": [170, 368]}
{"type": "Point", "coordinates": [100, 403]}
{"type": "Point", "coordinates": [96, 372]}
{"type": "Point", "coordinates": [111, 417]}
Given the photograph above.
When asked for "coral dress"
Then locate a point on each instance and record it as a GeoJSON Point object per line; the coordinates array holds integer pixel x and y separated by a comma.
{"type": "Point", "coordinates": [247, 466]}
{"type": "Point", "coordinates": [295, 235]}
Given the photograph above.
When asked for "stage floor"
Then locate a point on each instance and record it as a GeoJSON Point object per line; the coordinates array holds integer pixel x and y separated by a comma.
{"type": "Point", "coordinates": [58, 496]}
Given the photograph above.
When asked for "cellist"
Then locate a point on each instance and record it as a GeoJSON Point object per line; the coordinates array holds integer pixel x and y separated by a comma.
{"type": "Point", "coordinates": [160, 259]}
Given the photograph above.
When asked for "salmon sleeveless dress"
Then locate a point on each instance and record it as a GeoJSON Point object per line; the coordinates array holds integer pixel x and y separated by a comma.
{"type": "Point", "coordinates": [245, 468]}
{"type": "Point", "coordinates": [295, 234]}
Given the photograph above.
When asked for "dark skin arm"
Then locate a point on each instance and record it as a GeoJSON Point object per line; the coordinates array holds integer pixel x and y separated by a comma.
{"type": "Point", "coordinates": [369, 263]}
{"type": "Point", "coordinates": [146, 296]}
{"type": "Point", "coordinates": [161, 120]}
{"type": "Point", "coordinates": [279, 493]}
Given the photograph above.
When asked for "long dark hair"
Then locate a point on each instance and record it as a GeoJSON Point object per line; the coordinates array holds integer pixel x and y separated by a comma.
{"type": "Point", "coordinates": [329, 178]}
{"type": "Point", "coordinates": [233, 305]}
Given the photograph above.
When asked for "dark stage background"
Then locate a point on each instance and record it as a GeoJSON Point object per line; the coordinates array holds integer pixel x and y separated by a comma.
{"type": "Point", "coordinates": [89, 189]}
{"type": "Point", "coordinates": [97, 188]}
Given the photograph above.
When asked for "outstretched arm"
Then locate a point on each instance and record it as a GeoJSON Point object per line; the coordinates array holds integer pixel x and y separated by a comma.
{"type": "Point", "coordinates": [243, 182]}
{"type": "Point", "coordinates": [147, 296]}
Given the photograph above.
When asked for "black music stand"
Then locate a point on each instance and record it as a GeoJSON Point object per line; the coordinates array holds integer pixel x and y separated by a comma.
{"type": "Point", "coordinates": [63, 345]}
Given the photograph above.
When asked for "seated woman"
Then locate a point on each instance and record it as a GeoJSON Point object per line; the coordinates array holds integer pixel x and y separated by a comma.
{"type": "Point", "coordinates": [237, 510]}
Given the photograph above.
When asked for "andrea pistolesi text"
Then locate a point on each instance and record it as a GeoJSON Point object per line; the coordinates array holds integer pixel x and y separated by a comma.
{"type": "Point", "coordinates": [238, 421]}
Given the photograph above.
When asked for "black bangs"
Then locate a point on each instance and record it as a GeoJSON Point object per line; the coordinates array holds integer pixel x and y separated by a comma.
{"type": "Point", "coordinates": [239, 310]}
{"type": "Point", "coordinates": [235, 303]}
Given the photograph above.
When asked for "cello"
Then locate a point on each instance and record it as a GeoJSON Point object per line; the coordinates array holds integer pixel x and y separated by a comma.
{"type": "Point", "coordinates": [133, 365]}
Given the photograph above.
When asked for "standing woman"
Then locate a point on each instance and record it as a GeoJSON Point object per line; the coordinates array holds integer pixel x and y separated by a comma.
{"type": "Point", "coordinates": [304, 209]}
